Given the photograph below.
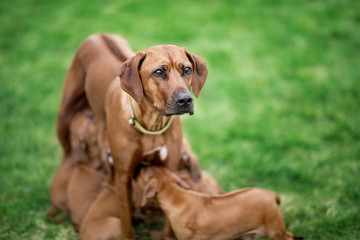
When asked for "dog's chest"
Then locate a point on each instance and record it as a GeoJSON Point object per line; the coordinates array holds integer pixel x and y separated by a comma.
{"type": "Point", "coordinates": [155, 148]}
{"type": "Point", "coordinates": [160, 150]}
{"type": "Point", "coordinates": [159, 153]}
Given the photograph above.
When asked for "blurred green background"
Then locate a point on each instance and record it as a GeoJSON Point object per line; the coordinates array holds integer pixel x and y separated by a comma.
{"type": "Point", "coordinates": [280, 109]}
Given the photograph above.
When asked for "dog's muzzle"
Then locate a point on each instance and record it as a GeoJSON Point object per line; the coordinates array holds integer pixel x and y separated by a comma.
{"type": "Point", "coordinates": [180, 104]}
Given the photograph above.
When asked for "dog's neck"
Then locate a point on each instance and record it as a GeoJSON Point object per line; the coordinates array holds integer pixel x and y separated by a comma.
{"type": "Point", "coordinates": [148, 115]}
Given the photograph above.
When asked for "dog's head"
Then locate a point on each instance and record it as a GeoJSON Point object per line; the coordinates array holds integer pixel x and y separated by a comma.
{"type": "Point", "coordinates": [83, 133]}
{"type": "Point", "coordinates": [152, 179]}
{"type": "Point", "coordinates": [163, 76]}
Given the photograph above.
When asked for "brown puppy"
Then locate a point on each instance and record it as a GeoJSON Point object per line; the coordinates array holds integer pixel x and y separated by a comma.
{"type": "Point", "coordinates": [86, 180]}
{"type": "Point", "coordinates": [248, 213]}
{"type": "Point", "coordinates": [58, 189]}
{"type": "Point", "coordinates": [61, 178]}
{"type": "Point", "coordinates": [102, 221]}
{"type": "Point", "coordinates": [103, 72]}
{"type": "Point", "coordinates": [189, 171]}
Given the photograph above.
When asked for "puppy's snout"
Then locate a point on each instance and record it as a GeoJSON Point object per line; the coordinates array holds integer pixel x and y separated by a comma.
{"type": "Point", "coordinates": [183, 99]}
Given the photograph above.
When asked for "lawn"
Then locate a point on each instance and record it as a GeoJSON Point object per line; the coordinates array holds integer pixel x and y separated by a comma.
{"type": "Point", "coordinates": [280, 109]}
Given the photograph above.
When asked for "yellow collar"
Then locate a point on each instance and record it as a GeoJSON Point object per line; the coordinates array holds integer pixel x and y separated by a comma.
{"type": "Point", "coordinates": [138, 126]}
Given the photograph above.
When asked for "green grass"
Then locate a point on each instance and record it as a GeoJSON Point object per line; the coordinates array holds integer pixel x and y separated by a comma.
{"type": "Point", "coordinates": [280, 109]}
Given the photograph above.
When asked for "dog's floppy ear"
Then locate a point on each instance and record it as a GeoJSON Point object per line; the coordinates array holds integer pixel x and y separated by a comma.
{"type": "Point", "coordinates": [200, 72]}
{"type": "Point", "coordinates": [150, 191]}
{"type": "Point", "coordinates": [130, 77]}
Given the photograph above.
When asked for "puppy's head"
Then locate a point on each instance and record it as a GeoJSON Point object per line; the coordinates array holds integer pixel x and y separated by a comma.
{"type": "Point", "coordinates": [163, 76]}
{"type": "Point", "coordinates": [83, 133]}
{"type": "Point", "coordinates": [152, 179]}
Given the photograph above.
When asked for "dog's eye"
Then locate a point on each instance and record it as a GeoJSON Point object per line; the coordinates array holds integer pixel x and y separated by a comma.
{"type": "Point", "coordinates": [158, 73]}
{"type": "Point", "coordinates": [187, 70]}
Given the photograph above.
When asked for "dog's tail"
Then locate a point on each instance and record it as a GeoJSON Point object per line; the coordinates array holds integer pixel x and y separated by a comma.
{"type": "Point", "coordinates": [298, 238]}
{"type": "Point", "coordinates": [53, 211]}
{"type": "Point", "coordinates": [291, 236]}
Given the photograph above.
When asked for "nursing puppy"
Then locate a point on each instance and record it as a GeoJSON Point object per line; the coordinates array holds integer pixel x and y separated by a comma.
{"type": "Point", "coordinates": [60, 182]}
{"type": "Point", "coordinates": [102, 220]}
{"type": "Point", "coordinates": [189, 171]}
{"type": "Point", "coordinates": [87, 177]}
{"type": "Point", "coordinates": [246, 213]}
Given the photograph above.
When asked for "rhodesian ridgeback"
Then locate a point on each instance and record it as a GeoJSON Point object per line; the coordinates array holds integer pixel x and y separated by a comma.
{"type": "Point", "coordinates": [60, 182]}
{"type": "Point", "coordinates": [136, 98]}
{"type": "Point", "coordinates": [246, 213]}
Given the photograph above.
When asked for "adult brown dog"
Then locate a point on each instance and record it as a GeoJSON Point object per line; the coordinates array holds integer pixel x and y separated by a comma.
{"type": "Point", "coordinates": [246, 213]}
{"type": "Point", "coordinates": [158, 80]}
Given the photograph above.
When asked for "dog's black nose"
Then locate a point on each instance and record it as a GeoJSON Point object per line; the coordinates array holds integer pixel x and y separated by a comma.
{"type": "Point", "coordinates": [183, 99]}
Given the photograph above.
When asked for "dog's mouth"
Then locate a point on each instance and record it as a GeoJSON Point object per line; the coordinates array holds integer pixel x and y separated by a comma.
{"type": "Point", "coordinates": [177, 111]}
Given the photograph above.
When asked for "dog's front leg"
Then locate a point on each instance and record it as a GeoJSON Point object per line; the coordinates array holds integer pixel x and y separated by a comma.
{"type": "Point", "coordinates": [125, 161]}
{"type": "Point", "coordinates": [168, 231]}
{"type": "Point", "coordinates": [123, 186]}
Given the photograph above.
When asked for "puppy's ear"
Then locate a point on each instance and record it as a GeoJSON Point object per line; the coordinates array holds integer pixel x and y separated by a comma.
{"type": "Point", "coordinates": [195, 169]}
{"type": "Point", "coordinates": [200, 72]}
{"type": "Point", "coordinates": [130, 77]}
{"type": "Point", "coordinates": [189, 161]}
{"type": "Point", "coordinates": [150, 191]}
{"type": "Point", "coordinates": [183, 184]}
{"type": "Point", "coordinates": [148, 173]}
